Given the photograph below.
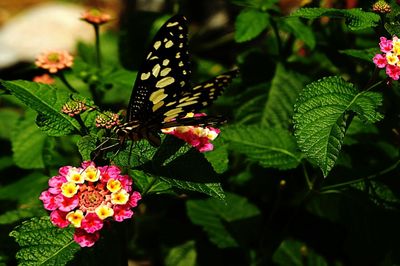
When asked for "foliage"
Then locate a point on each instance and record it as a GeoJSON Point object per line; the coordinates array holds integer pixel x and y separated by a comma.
{"type": "Point", "coordinates": [303, 172]}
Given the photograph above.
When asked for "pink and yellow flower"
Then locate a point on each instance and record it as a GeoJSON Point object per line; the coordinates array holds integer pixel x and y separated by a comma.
{"type": "Point", "coordinates": [390, 57]}
{"type": "Point", "coordinates": [198, 137]}
{"type": "Point", "coordinates": [95, 17]}
{"type": "Point", "coordinates": [45, 79]}
{"type": "Point", "coordinates": [54, 61]}
{"type": "Point", "coordinates": [86, 197]}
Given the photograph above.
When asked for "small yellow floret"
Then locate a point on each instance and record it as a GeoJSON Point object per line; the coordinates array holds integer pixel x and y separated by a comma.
{"type": "Point", "coordinates": [211, 135]}
{"type": "Point", "coordinates": [75, 218]}
{"type": "Point", "coordinates": [114, 185]}
{"type": "Point", "coordinates": [392, 59]}
{"type": "Point", "coordinates": [121, 197]}
{"type": "Point", "coordinates": [91, 174]}
{"type": "Point", "coordinates": [104, 212]}
{"type": "Point", "coordinates": [69, 189]}
{"type": "Point", "coordinates": [74, 175]}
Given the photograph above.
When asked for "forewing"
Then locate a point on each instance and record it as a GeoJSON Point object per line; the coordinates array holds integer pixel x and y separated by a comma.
{"type": "Point", "coordinates": [164, 73]}
{"type": "Point", "coordinates": [197, 97]}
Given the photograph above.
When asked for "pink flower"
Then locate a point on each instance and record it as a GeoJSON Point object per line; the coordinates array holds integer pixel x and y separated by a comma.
{"type": "Point", "coordinates": [45, 79]}
{"type": "Point", "coordinates": [95, 17]}
{"type": "Point", "coordinates": [54, 61]}
{"type": "Point", "coordinates": [59, 218]}
{"type": "Point", "coordinates": [121, 213]}
{"type": "Point", "coordinates": [84, 198]}
{"type": "Point", "coordinates": [380, 60]}
{"type": "Point", "coordinates": [50, 201]}
{"type": "Point", "coordinates": [91, 223]}
{"type": "Point", "coordinates": [393, 72]}
{"type": "Point", "coordinates": [198, 137]}
{"type": "Point", "coordinates": [85, 239]}
{"type": "Point", "coordinates": [385, 45]}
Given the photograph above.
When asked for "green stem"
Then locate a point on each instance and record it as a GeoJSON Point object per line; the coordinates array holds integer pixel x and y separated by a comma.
{"type": "Point", "coordinates": [98, 54]}
{"type": "Point", "coordinates": [66, 83]}
{"type": "Point", "coordinates": [278, 37]}
{"type": "Point", "coordinates": [310, 184]}
{"type": "Point", "coordinates": [385, 171]}
{"type": "Point", "coordinates": [83, 127]}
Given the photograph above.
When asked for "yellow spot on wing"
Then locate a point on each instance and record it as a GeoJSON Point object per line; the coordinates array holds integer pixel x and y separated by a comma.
{"type": "Point", "coordinates": [145, 76]}
{"type": "Point", "coordinates": [178, 55]}
{"type": "Point", "coordinates": [173, 112]}
{"type": "Point", "coordinates": [157, 45]}
{"type": "Point", "coordinates": [165, 62]}
{"type": "Point", "coordinates": [208, 85]}
{"type": "Point", "coordinates": [186, 103]}
{"type": "Point", "coordinates": [157, 106]}
{"type": "Point", "coordinates": [165, 71]}
{"type": "Point", "coordinates": [197, 87]}
{"type": "Point", "coordinates": [170, 103]}
{"type": "Point", "coordinates": [171, 24]}
{"type": "Point", "coordinates": [169, 44]}
{"type": "Point", "coordinates": [165, 82]}
{"type": "Point", "coordinates": [156, 70]}
{"type": "Point", "coordinates": [158, 96]}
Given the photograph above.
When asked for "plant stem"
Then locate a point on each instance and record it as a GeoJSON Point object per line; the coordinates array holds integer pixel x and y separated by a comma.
{"type": "Point", "coordinates": [66, 83]}
{"type": "Point", "coordinates": [98, 54]}
{"type": "Point", "coordinates": [83, 127]}
{"type": "Point", "coordinates": [309, 183]}
{"type": "Point", "coordinates": [385, 171]}
{"type": "Point", "coordinates": [278, 37]}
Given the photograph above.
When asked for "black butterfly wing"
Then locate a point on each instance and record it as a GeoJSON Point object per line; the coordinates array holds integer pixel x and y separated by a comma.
{"type": "Point", "coordinates": [164, 73]}
{"type": "Point", "coordinates": [196, 98]}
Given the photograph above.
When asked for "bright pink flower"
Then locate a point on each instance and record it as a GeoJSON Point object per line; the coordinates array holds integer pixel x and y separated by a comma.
{"type": "Point", "coordinates": [84, 193]}
{"type": "Point", "coordinates": [85, 239]}
{"type": "Point", "coordinates": [385, 45]}
{"type": "Point", "coordinates": [92, 223]}
{"type": "Point", "coordinates": [50, 201]}
{"type": "Point", "coordinates": [380, 60]}
{"type": "Point", "coordinates": [121, 213]}
{"type": "Point", "coordinates": [393, 72]}
{"type": "Point", "coordinates": [197, 137]}
{"type": "Point", "coordinates": [58, 218]}
{"type": "Point", "coordinates": [68, 204]}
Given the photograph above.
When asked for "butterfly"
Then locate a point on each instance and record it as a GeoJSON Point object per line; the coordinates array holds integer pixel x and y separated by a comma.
{"type": "Point", "coordinates": [162, 94]}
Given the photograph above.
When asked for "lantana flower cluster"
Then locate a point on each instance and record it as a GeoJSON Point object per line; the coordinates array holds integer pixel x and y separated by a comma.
{"type": "Point", "coordinates": [54, 61]}
{"type": "Point", "coordinates": [87, 197]}
{"type": "Point", "coordinates": [389, 58]}
{"type": "Point", "coordinates": [198, 137]}
{"type": "Point", "coordinates": [107, 120]}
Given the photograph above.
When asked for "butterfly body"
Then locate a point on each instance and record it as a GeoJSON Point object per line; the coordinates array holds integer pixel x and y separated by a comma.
{"type": "Point", "coordinates": [162, 94]}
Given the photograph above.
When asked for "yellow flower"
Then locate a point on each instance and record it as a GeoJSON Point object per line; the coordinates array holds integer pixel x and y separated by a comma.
{"type": "Point", "coordinates": [392, 59]}
{"type": "Point", "coordinates": [91, 174]}
{"type": "Point", "coordinates": [74, 175]}
{"type": "Point", "coordinates": [104, 211]}
{"type": "Point", "coordinates": [121, 197]}
{"type": "Point", "coordinates": [69, 189]}
{"type": "Point", "coordinates": [75, 218]}
{"type": "Point", "coordinates": [114, 185]}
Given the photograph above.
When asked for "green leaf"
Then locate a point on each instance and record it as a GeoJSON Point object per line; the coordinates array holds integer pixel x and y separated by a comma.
{"type": "Point", "coordinates": [191, 171]}
{"type": "Point", "coordinates": [355, 18]}
{"type": "Point", "coordinates": [28, 143]}
{"type": "Point", "coordinates": [218, 157]}
{"type": "Point", "coordinates": [295, 253]}
{"type": "Point", "coordinates": [211, 189]}
{"type": "Point", "coordinates": [212, 215]}
{"type": "Point", "coordinates": [250, 23]}
{"type": "Point", "coordinates": [47, 101]}
{"type": "Point", "coordinates": [21, 213]}
{"type": "Point", "coordinates": [86, 145]}
{"type": "Point", "coordinates": [260, 4]}
{"type": "Point", "coordinates": [149, 183]}
{"type": "Point", "coordinates": [44, 244]}
{"type": "Point", "coordinates": [301, 31]}
{"type": "Point", "coordinates": [320, 117]}
{"type": "Point", "coordinates": [364, 54]}
{"type": "Point", "coordinates": [270, 147]}
{"type": "Point", "coordinates": [183, 255]}
{"type": "Point", "coordinates": [8, 118]}
{"type": "Point", "coordinates": [286, 86]}
{"type": "Point", "coordinates": [31, 185]}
